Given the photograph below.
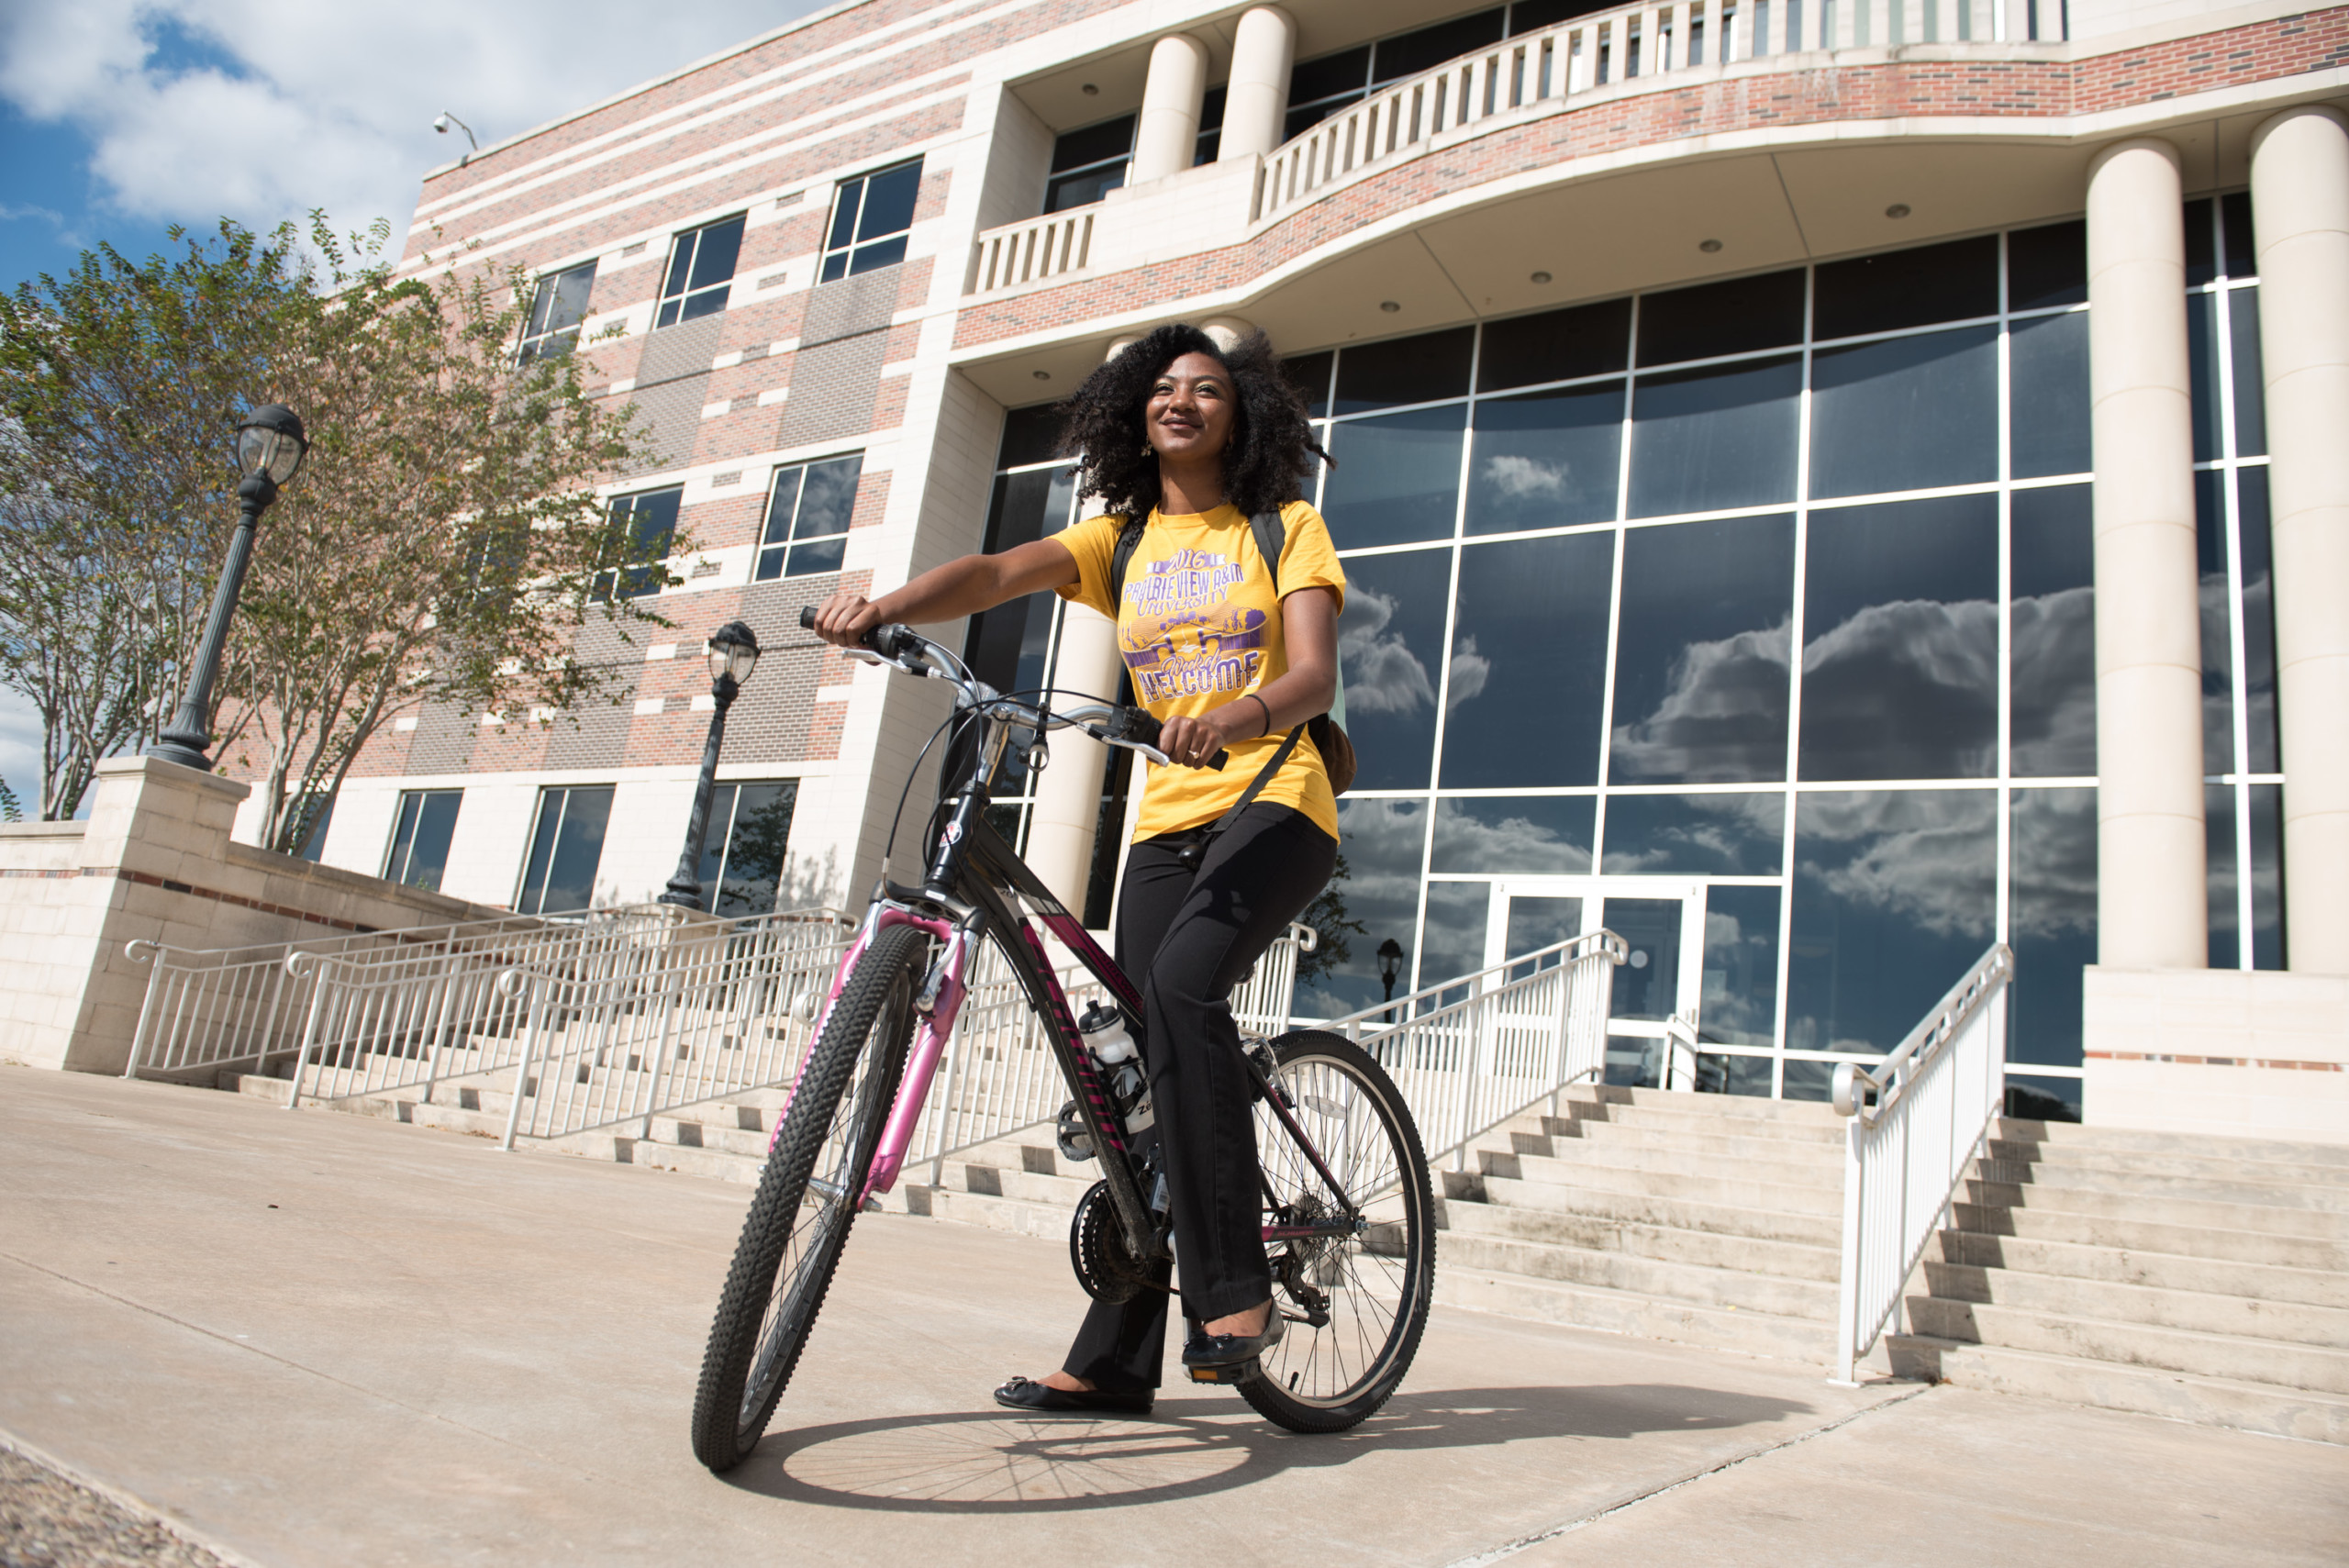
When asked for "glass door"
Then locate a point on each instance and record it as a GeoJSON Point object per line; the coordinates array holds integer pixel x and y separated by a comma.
{"type": "Point", "coordinates": [1661, 919]}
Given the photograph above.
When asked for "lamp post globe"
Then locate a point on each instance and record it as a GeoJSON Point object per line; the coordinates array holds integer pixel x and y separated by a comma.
{"type": "Point", "coordinates": [1390, 966]}
{"type": "Point", "coordinates": [733, 655]}
{"type": "Point", "coordinates": [269, 449]}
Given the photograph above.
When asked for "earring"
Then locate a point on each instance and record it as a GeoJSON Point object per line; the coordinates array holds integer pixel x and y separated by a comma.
{"type": "Point", "coordinates": [1145, 449]}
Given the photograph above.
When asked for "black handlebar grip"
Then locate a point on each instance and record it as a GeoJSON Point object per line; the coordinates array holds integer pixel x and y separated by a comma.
{"type": "Point", "coordinates": [806, 618]}
{"type": "Point", "coordinates": [1218, 761]}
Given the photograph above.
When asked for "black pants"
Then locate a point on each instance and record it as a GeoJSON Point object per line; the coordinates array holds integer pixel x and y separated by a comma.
{"type": "Point", "coordinates": [1186, 937]}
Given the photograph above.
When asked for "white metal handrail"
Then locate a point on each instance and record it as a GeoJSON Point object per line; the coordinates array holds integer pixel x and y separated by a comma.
{"type": "Point", "coordinates": [1480, 1049]}
{"type": "Point", "coordinates": [1917, 1120]}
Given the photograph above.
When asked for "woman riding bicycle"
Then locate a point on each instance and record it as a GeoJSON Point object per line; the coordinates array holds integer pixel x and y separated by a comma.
{"type": "Point", "coordinates": [1230, 652]}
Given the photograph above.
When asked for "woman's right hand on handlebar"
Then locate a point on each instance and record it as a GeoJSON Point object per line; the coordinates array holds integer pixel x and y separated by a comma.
{"type": "Point", "coordinates": [845, 618]}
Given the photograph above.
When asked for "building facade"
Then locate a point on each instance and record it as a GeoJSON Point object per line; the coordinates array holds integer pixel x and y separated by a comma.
{"type": "Point", "coordinates": [1824, 487]}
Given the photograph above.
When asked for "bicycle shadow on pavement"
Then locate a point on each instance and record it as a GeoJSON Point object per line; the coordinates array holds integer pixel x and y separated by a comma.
{"type": "Point", "coordinates": [999, 1461]}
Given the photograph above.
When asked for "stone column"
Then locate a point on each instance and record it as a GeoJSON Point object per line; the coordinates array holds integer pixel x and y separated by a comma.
{"type": "Point", "coordinates": [1168, 137]}
{"type": "Point", "coordinates": [1227, 330]}
{"type": "Point", "coordinates": [1256, 102]}
{"type": "Point", "coordinates": [2299, 205]}
{"type": "Point", "coordinates": [2152, 909]}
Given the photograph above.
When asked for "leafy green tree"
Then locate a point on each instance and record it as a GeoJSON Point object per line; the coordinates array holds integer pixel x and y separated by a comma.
{"type": "Point", "coordinates": [1327, 916]}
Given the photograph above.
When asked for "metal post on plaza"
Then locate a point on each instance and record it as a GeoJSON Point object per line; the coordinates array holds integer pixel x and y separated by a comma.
{"type": "Point", "coordinates": [269, 445]}
{"type": "Point", "coordinates": [733, 654]}
{"type": "Point", "coordinates": [1391, 969]}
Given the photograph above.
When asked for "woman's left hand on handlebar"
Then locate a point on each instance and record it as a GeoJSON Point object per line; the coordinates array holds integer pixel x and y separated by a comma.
{"type": "Point", "coordinates": [1189, 742]}
{"type": "Point", "coordinates": [845, 617]}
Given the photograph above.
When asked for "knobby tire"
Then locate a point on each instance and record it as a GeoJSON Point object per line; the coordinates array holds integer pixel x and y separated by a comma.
{"type": "Point", "coordinates": [764, 1313]}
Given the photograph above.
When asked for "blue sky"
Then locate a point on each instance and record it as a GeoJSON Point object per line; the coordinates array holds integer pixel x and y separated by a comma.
{"type": "Point", "coordinates": [119, 119]}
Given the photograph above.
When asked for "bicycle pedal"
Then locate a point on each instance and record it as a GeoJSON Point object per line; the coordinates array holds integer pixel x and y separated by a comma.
{"type": "Point", "coordinates": [1240, 1373]}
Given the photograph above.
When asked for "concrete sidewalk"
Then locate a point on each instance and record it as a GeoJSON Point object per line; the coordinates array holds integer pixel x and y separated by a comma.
{"type": "Point", "coordinates": [308, 1338]}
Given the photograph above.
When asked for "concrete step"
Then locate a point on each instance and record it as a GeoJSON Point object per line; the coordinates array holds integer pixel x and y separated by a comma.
{"type": "Point", "coordinates": [2206, 1312]}
{"type": "Point", "coordinates": [2135, 1344]}
{"type": "Point", "coordinates": [2129, 1230]}
{"type": "Point", "coordinates": [981, 1208]}
{"type": "Point", "coordinates": [1696, 1285]}
{"type": "Point", "coordinates": [1628, 1312]}
{"type": "Point", "coordinates": [1716, 1108]}
{"type": "Point", "coordinates": [1577, 1153]}
{"type": "Point", "coordinates": [2213, 1167]}
{"type": "Point", "coordinates": [1022, 1186]}
{"type": "Point", "coordinates": [1827, 1159]}
{"type": "Point", "coordinates": [2162, 1271]}
{"type": "Point", "coordinates": [1639, 1207]}
{"type": "Point", "coordinates": [2208, 1401]}
{"type": "Point", "coordinates": [257, 1086]}
{"type": "Point", "coordinates": [1696, 1119]}
{"type": "Point", "coordinates": [2150, 1188]}
{"type": "Point", "coordinates": [2309, 1224]}
{"type": "Point", "coordinates": [2085, 1136]}
{"type": "Point", "coordinates": [1736, 1189]}
{"type": "Point", "coordinates": [1664, 1243]}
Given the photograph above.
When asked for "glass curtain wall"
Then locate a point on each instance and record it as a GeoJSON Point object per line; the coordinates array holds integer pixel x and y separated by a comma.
{"type": "Point", "coordinates": [1780, 584]}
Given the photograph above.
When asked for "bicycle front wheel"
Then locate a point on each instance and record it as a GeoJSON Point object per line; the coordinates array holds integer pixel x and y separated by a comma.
{"type": "Point", "coordinates": [1357, 1303]}
{"type": "Point", "coordinates": [806, 1199]}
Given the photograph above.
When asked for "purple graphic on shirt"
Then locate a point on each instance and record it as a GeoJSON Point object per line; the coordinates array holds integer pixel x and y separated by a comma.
{"type": "Point", "coordinates": [1186, 637]}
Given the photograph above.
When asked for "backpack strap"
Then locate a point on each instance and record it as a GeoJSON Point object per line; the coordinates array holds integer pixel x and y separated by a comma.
{"type": "Point", "coordinates": [1271, 537]}
{"type": "Point", "coordinates": [1122, 556]}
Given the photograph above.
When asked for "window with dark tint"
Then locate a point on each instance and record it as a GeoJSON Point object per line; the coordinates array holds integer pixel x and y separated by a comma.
{"type": "Point", "coordinates": [1895, 896]}
{"type": "Point", "coordinates": [557, 307]}
{"type": "Point", "coordinates": [1390, 646]}
{"type": "Point", "coordinates": [1088, 164]}
{"type": "Point", "coordinates": [427, 823]}
{"type": "Point", "coordinates": [2230, 331]}
{"type": "Point", "coordinates": [1907, 288]}
{"type": "Point", "coordinates": [1029, 435]}
{"type": "Point", "coordinates": [1008, 643]}
{"type": "Point", "coordinates": [2218, 624]}
{"type": "Point", "coordinates": [1405, 370]}
{"type": "Point", "coordinates": [2048, 394]}
{"type": "Point", "coordinates": [1717, 1073]}
{"type": "Point", "coordinates": [808, 514]}
{"type": "Point", "coordinates": [2048, 266]}
{"type": "Point", "coordinates": [1454, 940]}
{"type": "Point", "coordinates": [566, 846]}
{"type": "Point", "coordinates": [1535, 922]}
{"type": "Point", "coordinates": [1900, 642]}
{"type": "Point", "coordinates": [1379, 885]}
{"type": "Point", "coordinates": [2218, 632]}
{"type": "Point", "coordinates": [2051, 919]}
{"type": "Point", "coordinates": [2201, 244]}
{"type": "Point", "coordinates": [1397, 477]}
{"type": "Point", "coordinates": [2249, 373]}
{"type": "Point", "coordinates": [1318, 88]}
{"type": "Point", "coordinates": [2236, 246]}
{"type": "Point", "coordinates": [1649, 986]}
{"type": "Point", "coordinates": [1740, 997]}
{"type": "Point", "coordinates": [641, 527]}
{"type": "Point", "coordinates": [742, 861]}
{"type": "Point", "coordinates": [870, 218]}
{"type": "Point", "coordinates": [701, 273]}
{"type": "Point", "coordinates": [1558, 345]}
{"type": "Point", "coordinates": [1703, 655]}
{"type": "Point", "coordinates": [1428, 47]}
{"type": "Point", "coordinates": [1309, 374]}
{"type": "Point", "coordinates": [1528, 658]}
{"type": "Point", "coordinates": [1210, 143]}
{"type": "Point", "coordinates": [1545, 459]}
{"type": "Point", "coordinates": [1708, 439]}
{"type": "Point", "coordinates": [2054, 634]}
{"type": "Point", "coordinates": [1695, 835]}
{"type": "Point", "coordinates": [1524, 835]}
{"type": "Point", "coordinates": [2258, 621]}
{"type": "Point", "coordinates": [1528, 14]}
{"type": "Point", "coordinates": [1905, 413]}
{"type": "Point", "coordinates": [1730, 317]}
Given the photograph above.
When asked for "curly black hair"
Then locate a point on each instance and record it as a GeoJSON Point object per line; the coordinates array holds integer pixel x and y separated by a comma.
{"type": "Point", "coordinates": [1266, 461]}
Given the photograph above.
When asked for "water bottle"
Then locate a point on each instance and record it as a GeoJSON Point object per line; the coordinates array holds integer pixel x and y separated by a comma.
{"type": "Point", "coordinates": [1105, 1035]}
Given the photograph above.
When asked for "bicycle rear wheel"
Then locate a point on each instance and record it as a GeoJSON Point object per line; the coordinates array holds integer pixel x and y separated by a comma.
{"type": "Point", "coordinates": [1370, 1290]}
{"type": "Point", "coordinates": [800, 1219]}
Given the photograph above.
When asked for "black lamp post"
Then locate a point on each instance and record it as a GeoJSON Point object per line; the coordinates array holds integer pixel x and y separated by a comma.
{"type": "Point", "coordinates": [269, 450]}
{"type": "Point", "coordinates": [733, 654]}
{"type": "Point", "coordinates": [1390, 968]}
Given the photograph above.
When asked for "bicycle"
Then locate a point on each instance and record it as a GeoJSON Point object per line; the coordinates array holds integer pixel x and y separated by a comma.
{"type": "Point", "coordinates": [1348, 1211]}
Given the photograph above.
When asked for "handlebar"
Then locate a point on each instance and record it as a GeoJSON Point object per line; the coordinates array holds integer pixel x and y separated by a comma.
{"type": "Point", "coordinates": [1131, 727]}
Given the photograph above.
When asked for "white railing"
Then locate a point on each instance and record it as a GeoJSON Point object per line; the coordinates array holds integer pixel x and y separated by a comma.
{"type": "Point", "coordinates": [1033, 252]}
{"type": "Point", "coordinates": [1476, 1051]}
{"type": "Point", "coordinates": [206, 1010]}
{"type": "Point", "coordinates": [1917, 1119]}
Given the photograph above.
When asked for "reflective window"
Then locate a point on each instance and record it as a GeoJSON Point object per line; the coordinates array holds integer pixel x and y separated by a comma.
{"type": "Point", "coordinates": [1895, 897]}
{"type": "Point", "coordinates": [808, 513]}
{"type": "Point", "coordinates": [1558, 345]}
{"type": "Point", "coordinates": [558, 306]}
{"type": "Point", "coordinates": [2263, 750]}
{"type": "Point", "coordinates": [1702, 658]}
{"type": "Point", "coordinates": [1739, 1002]}
{"type": "Point", "coordinates": [2048, 266]}
{"type": "Point", "coordinates": [1907, 288]}
{"type": "Point", "coordinates": [1537, 921]}
{"type": "Point", "coordinates": [1397, 478]}
{"type": "Point", "coordinates": [1390, 640]}
{"type": "Point", "coordinates": [701, 272]}
{"type": "Point", "coordinates": [1901, 641]}
{"type": "Point", "coordinates": [742, 861]}
{"type": "Point", "coordinates": [1087, 164]}
{"type": "Point", "coordinates": [566, 846]}
{"type": "Point", "coordinates": [2054, 633]}
{"type": "Point", "coordinates": [1010, 647]}
{"type": "Point", "coordinates": [2215, 593]}
{"type": "Point", "coordinates": [1526, 835]}
{"type": "Point", "coordinates": [422, 833]}
{"type": "Point", "coordinates": [870, 218]}
{"type": "Point", "coordinates": [1545, 460]}
{"type": "Point", "coordinates": [1711, 319]}
{"type": "Point", "coordinates": [1648, 987]}
{"type": "Point", "coordinates": [1905, 414]}
{"type": "Point", "coordinates": [1710, 439]}
{"type": "Point", "coordinates": [1720, 1074]}
{"type": "Point", "coordinates": [2249, 373]}
{"type": "Point", "coordinates": [2050, 920]}
{"type": "Point", "coordinates": [1454, 943]}
{"type": "Point", "coordinates": [640, 528]}
{"type": "Point", "coordinates": [1529, 661]}
{"type": "Point", "coordinates": [1376, 884]}
{"type": "Point", "coordinates": [1405, 370]}
{"type": "Point", "coordinates": [2049, 395]}
{"type": "Point", "coordinates": [1718, 835]}
{"type": "Point", "coordinates": [1309, 374]}
{"type": "Point", "coordinates": [2240, 822]}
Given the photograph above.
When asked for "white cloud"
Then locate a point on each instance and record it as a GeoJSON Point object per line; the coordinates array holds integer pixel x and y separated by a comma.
{"type": "Point", "coordinates": [1383, 675]}
{"type": "Point", "coordinates": [261, 111]}
{"type": "Point", "coordinates": [1519, 478]}
{"type": "Point", "coordinates": [1470, 670]}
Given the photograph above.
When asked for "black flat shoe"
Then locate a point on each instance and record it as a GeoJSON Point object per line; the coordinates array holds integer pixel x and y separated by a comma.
{"type": "Point", "coordinates": [1026, 1393]}
{"type": "Point", "coordinates": [1211, 1353]}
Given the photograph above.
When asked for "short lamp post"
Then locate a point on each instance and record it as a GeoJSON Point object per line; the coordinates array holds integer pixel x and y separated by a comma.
{"type": "Point", "coordinates": [733, 654]}
{"type": "Point", "coordinates": [269, 450]}
{"type": "Point", "coordinates": [1390, 968]}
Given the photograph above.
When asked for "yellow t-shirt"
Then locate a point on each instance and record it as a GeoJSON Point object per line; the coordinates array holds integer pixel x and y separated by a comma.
{"type": "Point", "coordinates": [1200, 627]}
